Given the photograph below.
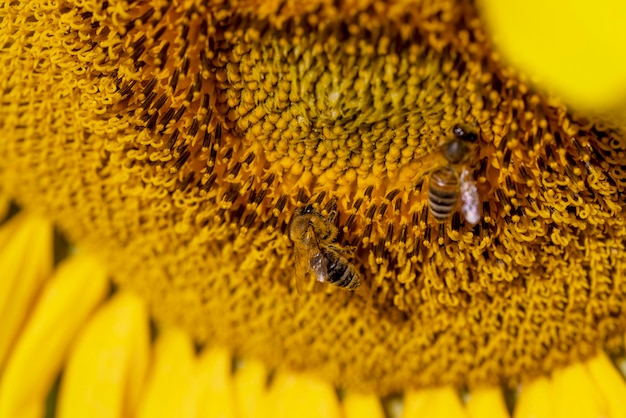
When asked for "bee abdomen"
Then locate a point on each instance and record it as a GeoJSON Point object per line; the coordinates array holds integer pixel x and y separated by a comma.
{"type": "Point", "coordinates": [346, 277]}
{"type": "Point", "coordinates": [443, 193]}
{"type": "Point", "coordinates": [341, 273]}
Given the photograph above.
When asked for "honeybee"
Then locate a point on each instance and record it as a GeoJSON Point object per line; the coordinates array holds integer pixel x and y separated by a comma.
{"type": "Point", "coordinates": [452, 179]}
{"type": "Point", "coordinates": [316, 250]}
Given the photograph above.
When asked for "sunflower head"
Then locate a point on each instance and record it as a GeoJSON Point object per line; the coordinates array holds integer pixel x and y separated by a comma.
{"type": "Point", "coordinates": [179, 139]}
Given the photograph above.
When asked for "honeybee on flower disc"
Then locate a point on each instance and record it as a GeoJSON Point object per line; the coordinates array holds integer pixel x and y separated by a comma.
{"type": "Point", "coordinates": [317, 252]}
{"type": "Point", "coordinates": [451, 180]}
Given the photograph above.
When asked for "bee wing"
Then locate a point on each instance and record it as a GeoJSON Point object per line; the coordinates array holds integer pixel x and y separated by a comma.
{"type": "Point", "coordinates": [308, 283]}
{"type": "Point", "coordinates": [309, 259]}
{"type": "Point", "coordinates": [302, 268]}
{"type": "Point", "coordinates": [318, 266]}
{"type": "Point", "coordinates": [470, 201]}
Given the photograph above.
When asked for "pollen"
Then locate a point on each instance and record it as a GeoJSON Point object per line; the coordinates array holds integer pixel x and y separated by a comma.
{"type": "Point", "coordinates": [177, 138]}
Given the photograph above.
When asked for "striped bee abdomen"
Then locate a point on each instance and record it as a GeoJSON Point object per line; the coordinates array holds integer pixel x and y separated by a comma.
{"type": "Point", "coordinates": [340, 271]}
{"type": "Point", "coordinates": [443, 193]}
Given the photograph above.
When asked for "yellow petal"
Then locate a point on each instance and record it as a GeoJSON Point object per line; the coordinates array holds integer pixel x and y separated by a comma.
{"type": "Point", "coordinates": [250, 390]}
{"type": "Point", "coordinates": [356, 405]}
{"type": "Point", "coordinates": [32, 410]}
{"type": "Point", "coordinates": [170, 390]}
{"type": "Point", "coordinates": [25, 261]}
{"type": "Point", "coordinates": [76, 288]}
{"type": "Point", "coordinates": [573, 46]}
{"type": "Point", "coordinates": [486, 402]}
{"type": "Point", "coordinates": [294, 395]}
{"type": "Point", "coordinates": [575, 394]}
{"type": "Point", "coordinates": [535, 400]}
{"type": "Point", "coordinates": [610, 383]}
{"type": "Point", "coordinates": [215, 385]}
{"type": "Point", "coordinates": [108, 358]}
{"type": "Point", "coordinates": [435, 403]}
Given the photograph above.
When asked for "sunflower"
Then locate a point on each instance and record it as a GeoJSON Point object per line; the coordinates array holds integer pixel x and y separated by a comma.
{"type": "Point", "coordinates": [174, 142]}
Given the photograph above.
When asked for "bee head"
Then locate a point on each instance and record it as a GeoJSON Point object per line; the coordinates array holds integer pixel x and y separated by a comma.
{"type": "Point", "coordinates": [464, 134]}
{"type": "Point", "coordinates": [457, 149]}
{"type": "Point", "coordinates": [308, 209]}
